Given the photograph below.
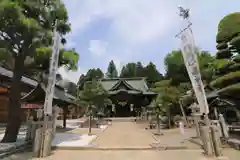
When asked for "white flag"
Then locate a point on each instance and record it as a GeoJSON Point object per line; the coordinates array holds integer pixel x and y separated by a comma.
{"type": "Point", "coordinates": [190, 59]}
{"type": "Point", "coordinates": [52, 73]}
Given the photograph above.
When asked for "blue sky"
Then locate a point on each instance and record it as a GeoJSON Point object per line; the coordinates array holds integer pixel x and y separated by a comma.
{"type": "Point", "coordinates": [137, 30]}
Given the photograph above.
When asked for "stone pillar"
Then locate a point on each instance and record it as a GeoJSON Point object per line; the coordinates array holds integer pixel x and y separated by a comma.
{"type": "Point", "coordinates": [196, 117]}
{"type": "Point", "coordinates": [216, 141]}
{"type": "Point", "coordinates": [37, 142]}
{"type": "Point", "coordinates": [224, 127]}
{"type": "Point", "coordinates": [206, 140]}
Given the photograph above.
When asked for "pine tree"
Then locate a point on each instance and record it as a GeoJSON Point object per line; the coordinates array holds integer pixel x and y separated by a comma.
{"type": "Point", "coordinates": [112, 70]}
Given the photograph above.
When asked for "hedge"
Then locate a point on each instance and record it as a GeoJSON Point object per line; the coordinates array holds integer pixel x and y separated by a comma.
{"type": "Point", "coordinates": [234, 67]}
{"type": "Point", "coordinates": [237, 58]}
{"type": "Point", "coordinates": [228, 27]}
{"type": "Point", "coordinates": [224, 53]}
{"type": "Point", "coordinates": [228, 79]}
{"type": "Point", "coordinates": [222, 45]}
{"type": "Point", "coordinates": [225, 68]}
{"type": "Point", "coordinates": [235, 41]}
{"type": "Point", "coordinates": [232, 90]}
{"type": "Point", "coordinates": [163, 83]}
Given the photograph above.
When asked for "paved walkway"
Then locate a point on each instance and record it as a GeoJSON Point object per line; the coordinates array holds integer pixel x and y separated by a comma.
{"type": "Point", "coordinates": [127, 155]}
{"type": "Point", "coordinates": [124, 135]}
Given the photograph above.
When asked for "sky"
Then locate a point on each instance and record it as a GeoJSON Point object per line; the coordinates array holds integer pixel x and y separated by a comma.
{"type": "Point", "coordinates": [137, 30]}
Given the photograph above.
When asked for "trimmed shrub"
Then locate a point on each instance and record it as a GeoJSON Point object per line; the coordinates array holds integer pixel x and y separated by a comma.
{"type": "Point", "coordinates": [228, 79]}
{"type": "Point", "coordinates": [232, 90]}
{"type": "Point", "coordinates": [221, 46]}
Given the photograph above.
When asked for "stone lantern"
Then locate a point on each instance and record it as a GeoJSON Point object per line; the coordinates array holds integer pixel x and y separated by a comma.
{"type": "Point", "coordinates": [113, 108]}
{"type": "Point", "coordinates": [131, 107]}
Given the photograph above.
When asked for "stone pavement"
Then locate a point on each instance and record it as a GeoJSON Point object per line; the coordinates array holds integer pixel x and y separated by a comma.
{"type": "Point", "coordinates": [172, 139]}
{"type": "Point", "coordinates": [135, 142]}
{"type": "Point", "coordinates": [126, 155]}
{"type": "Point", "coordinates": [124, 135]}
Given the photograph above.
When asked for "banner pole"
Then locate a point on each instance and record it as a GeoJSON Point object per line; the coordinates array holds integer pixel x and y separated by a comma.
{"type": "Point", "coordinates": [191, 62]}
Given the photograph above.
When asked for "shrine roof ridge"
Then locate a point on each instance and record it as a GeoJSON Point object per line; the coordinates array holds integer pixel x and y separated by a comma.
{"type": "Point", "coordinates": [128, 78]}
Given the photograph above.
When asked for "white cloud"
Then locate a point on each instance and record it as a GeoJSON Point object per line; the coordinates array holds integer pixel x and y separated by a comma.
{"type": "Point", "coordinates": [134, 24]}
{"type": "Point", "coordinates": [135, 21]}
{"type": "Point", "coordinates": [97, 47]}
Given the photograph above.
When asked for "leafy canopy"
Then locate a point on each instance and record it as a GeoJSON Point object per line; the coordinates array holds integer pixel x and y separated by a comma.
{"type": "Point", "coordinates": [94, 96]}
{"type": "Point", "coordinates": [26, 25]}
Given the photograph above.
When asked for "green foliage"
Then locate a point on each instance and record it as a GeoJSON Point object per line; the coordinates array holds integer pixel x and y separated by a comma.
{"type": "Point", "coordinates": [231, 90]}
{"type": "Point", "coordinates": [206, 64]}
{"type": "Point", "coordinates": [94, 96]}
{"type": "Point", "coordinates": [177, 72]}
{"type": "Point", "coordinates": [92, 74]}
{"type": "Point", "coordinates": [228, 73]}
{"type": "Point", "coordinates": [224, 53]}
{"type": "Point", "coordinates": [129, 70]}
{"type": "Point", "coordinates": [152, 74]}
{"type": "Point", "coordinates": [236, 58]}
{"type": "Point", "coordinates": [175, 67]}
{"type": "Point", "coordinates": [30, 22]}
{"type": "Point", "coordinates": [112, 70]}
{"type": "Point", "coordinates": [228, 79]}
{"type": "Point", "coordinates": [140, 70]}
{"type": "Point", "coordinates": [187, 100]}
{"type": "Point", "coordinates": [68, 58]}
{"type": "Point", "coordinates": [26, 25]}
{"type": "Point", "coordinates": [222, 45]}
{"type": "Point", "coordinates": [159, 86]}
{"type": "Point", "coordinates": [156, 107]}
{"type": "Point", "coordinates": [184, 87]}
{"type": "Point", "coordinates": [163, 83]}
{"type": "Point", "coordinates": [228, 27]}
{"type": "Point", "coordinates": [137, 70]}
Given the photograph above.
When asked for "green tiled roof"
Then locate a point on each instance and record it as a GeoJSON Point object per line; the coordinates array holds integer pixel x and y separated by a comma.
{"type": "Point", "coordinates": [136, 85]}
{"type": "Point", "coordinates": [108, 83]}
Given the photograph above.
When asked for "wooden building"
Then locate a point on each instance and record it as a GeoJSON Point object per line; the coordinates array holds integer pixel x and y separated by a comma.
{"type": "Point", "coordinates": [5, 81]}
{"type": "Point", "coordinates": [32, 95]}
{"type": "Point", "coordinates": [128, 95]}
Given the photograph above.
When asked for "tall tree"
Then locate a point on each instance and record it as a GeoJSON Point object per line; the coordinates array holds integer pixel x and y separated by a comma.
{"type": "Point", "coordinates": [94, 74]}
{"type": "Point", "coordinates": [175, 67]}
{"type": "Point", "coordinates": [24, 27]}
{"type": "Point", "coordinates": [152, 74]}
{"type": "Point", "coordinates": [140, 70]}
{"type": "Point", "coordinates": [177, 72]}
{"type": "Point", "coordinates": [228, 39]}
{"type": "Point", "coordinates": [112, 70]}
{"type": "Point", "coordinates": [95, 97]}
{"type": "Point", "coordinates": [129, 70]}
{"type": "Point", "coordinates": [91, 75]}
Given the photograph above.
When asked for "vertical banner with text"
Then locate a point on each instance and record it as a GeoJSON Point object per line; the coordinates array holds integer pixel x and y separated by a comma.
{"type": "Point", "coordinates": [52, 73]}
{"type": "Point", "coordinates": [189, 52]}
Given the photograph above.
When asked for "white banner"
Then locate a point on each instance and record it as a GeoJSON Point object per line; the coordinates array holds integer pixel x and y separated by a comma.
{"type": "Point", "coordinates": [52, 73]}
{"type": "Point", "coordinates": [189, 52]}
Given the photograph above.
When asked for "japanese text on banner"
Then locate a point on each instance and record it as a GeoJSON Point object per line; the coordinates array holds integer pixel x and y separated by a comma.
{"type": "Point", "coordinates": [190, 59]}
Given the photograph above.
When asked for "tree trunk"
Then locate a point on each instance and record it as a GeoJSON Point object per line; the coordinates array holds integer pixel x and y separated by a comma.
{"type": "Point", "coordinates": [65, 110]}
{"type": "Point", "coordinates": [158, 124]}
{"type": "Point", "coordinates": [14, 106]}
{"type": "Point", "coordinates": [169, 118]}
{"type": "Point", "coordinates": [90, 125]}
